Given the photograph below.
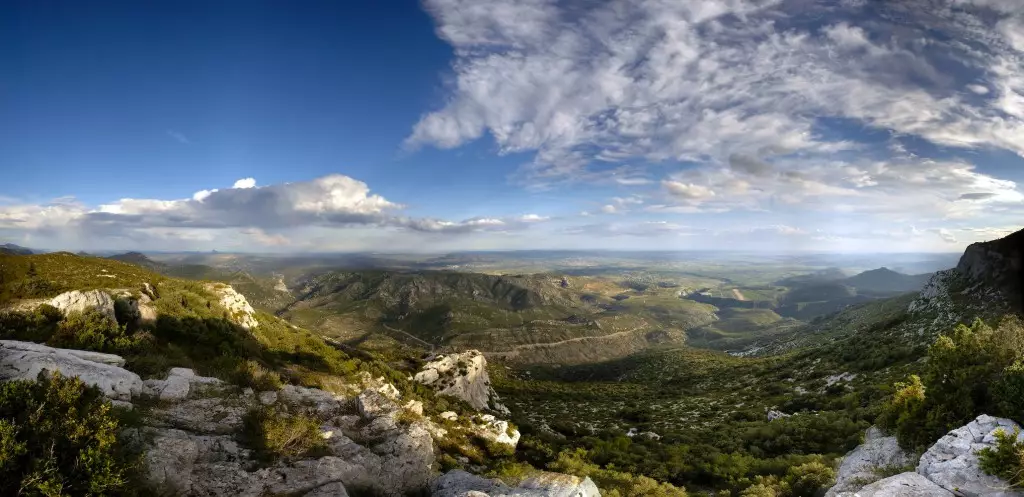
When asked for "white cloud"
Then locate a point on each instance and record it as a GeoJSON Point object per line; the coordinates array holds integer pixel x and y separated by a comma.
{"type": "Point", "coordinates": [622, 80]}
{"type": "Point", "coordinates": [244, 183]}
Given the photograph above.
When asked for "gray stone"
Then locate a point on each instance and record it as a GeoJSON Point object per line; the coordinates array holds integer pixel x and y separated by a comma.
{"type": "Point", "coordinates": [458, 483]}
{"type": "Point", "coordinates": [324, 403]}
{"type": "Point", "coordinates": [267, 398]}
{"type": "Point", "coordinates": [861, 464]}
{"type": "Point", "coordinates": [77, 301]}
{"type": "Point", "coordinates": [212, 415]}
{"type": "Point", "coordinates": [462, 375]}
{"type": "Point", "coordinates": [25, 360]}
{"type": "Point", "coordinates": [336, 489]}
{"type": "Point", "coordinates": [372, 404]}
{"type": "Point", "coordinates": [952, 462]}
{"type": "Point", "coordinates": [901, 485]}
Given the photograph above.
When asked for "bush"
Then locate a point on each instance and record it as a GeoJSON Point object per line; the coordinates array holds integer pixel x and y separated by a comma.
{"type": "Point", "coordinates": [611, 482]}
{"type": "Point", "coordinates": [91, 330]}
{"type": "Point", "coordinates": [37, 325]}
{"type": "Point", "coordinates": [274, 434]}
{"type": "Point", "coordinates": [1006, 459]}
{"type": "Point", "coordinates": [971, 371]}
{"type": "Point", "coordinates": [58, 437]}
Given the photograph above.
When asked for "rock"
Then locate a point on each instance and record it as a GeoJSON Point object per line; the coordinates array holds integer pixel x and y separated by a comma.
{"type": "Point", "coordinates": [267, 398]}
{"type": "Point", "coordinates": [76, 301]}
{"type": "Point", "coordinates": [952, 462]}
{"type": "Point", "coordinates": [210, 415]}
{"type": "Point", "coordinates": [414, 406]}
{"type": "Point", "coordinates": [860, 465]}
{"type": "Point", "coordinates": [25, 360]}
{"type": "Point", "coordinates": [773, 415]}
{"type": "Point", "coordinates": [336, 489]}
{"type": "Point", "coordinates": [389, 391]}
{"type": "Point", "coordinates": [225, 479]}
{"type": "Point", "coordinates": [901, 485]}
{"type": "Point", "coordinates": [408, 460]}
{"type": "Point", "coordinates": [324, 403]}
{"type": "Point", "coordinates": [463, 376]}
{"type": "Point", "coordinates": [496, 430]}
{"type": "Point", "coordinates": [173, 457]}
{"type": "Point", "coordinates": [238, 308]}
{"type": "Point", "coordinates": [309, 474]}
{"type": "Point", "coordinates": [449, 415]}
{"type": "Point", "coordinates": [372, 404]}
{"type": "Point", "coordinates": [458, 483]}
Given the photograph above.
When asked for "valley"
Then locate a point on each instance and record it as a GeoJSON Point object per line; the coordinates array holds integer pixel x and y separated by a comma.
{"type": "Point", "coordinates": [693, 372]}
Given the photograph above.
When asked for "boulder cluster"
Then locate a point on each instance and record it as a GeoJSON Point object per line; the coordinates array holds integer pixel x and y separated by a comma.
{"type": "Point", "coordinates": [192, 434]}
{"type": "Point", "coordinates": [948, 468]}
{"type": "Point", "coordinates": [462, 375]}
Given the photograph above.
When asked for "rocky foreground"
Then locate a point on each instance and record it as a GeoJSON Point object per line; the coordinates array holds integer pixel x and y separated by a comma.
{"type": "Point", "coordinates": [948, 468]}
{"type": "Point", "coordinates": [191, 434]}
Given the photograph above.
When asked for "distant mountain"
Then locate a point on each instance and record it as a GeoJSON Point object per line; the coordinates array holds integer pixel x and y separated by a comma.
{"type": "Point", "coordinates": [139, 259]}
{"type": "Point", "coordinates": [822, 276]}
{"type": "Point", "coordinates": [887, 281]}
{"type": "Point", "coordinates": [12, 249]}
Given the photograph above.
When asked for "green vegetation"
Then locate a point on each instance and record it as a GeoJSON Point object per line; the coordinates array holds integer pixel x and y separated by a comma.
{"type": "Point", "coordinates": [971, 371]}
{"type": "Point", "coordinates": [274, 434]}
{"type": "Point", "coordinates": [1006, 459]}
{"type": "Point", "coordinates": [59, 438]}
{"type": "Point", "coordinates": [613, 483]}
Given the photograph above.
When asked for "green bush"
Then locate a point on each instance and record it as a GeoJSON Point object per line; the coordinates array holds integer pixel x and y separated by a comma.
{"type": "Point", "coordinates": [274, 434]}
{"type": "Point", "coordinates": [613, 483]}
{"type": "Point", "coordinates": [58, 437]}
{"type": "Point", "coordinates": [971, 371]}
{"type": "Point", "coordinates": [37, 325]}
{"type": "Point", "coordinates": [1006, 459]}
{"type": "Point", "coordinates": [92, 330]}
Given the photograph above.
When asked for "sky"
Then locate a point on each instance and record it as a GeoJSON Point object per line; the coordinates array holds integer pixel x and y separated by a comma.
{"type": "Point", "coordinates": [444, 125]}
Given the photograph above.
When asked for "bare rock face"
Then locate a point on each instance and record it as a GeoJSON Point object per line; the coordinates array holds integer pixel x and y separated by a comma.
{"type": "Point", "coordinates": [458, 483]}
{"type": "Point", "coordinates": [952, 462]}
{"type": "Point", "coordinates": [463, 376]}
{"type": "Point", "coordinates": [860, 465]}
{"type": "Point", "coordinates": [25, 360]}
{"type": "Point", "coordinates": [76, 301]}
{"type": "Point", "coordinates": [238, 308]}
{"type": "Point", "coordinates": [901, 485]}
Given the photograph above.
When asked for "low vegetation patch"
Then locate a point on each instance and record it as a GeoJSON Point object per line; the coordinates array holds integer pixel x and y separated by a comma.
{"type": "Point", "coordinates": [275, 434]}
{"type": "Point", "coordinates": [58, 437]}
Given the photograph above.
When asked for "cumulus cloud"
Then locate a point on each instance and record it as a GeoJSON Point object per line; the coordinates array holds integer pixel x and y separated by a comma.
{"type": "Point", "coordinates": [261, 214]}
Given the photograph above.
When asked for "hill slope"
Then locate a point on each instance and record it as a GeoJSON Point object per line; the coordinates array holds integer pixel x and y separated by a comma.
{"type": "Point", "coordinates": [885, 280]}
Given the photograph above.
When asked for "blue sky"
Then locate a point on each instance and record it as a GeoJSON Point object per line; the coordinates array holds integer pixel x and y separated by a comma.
{"type": "Point", "coordinates": [498, 124]}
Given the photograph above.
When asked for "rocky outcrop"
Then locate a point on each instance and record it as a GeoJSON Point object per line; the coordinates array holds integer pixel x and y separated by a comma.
{"type": "Point", "coordinates": [25, 360]}
{"type": "Point", "coordinates": [952, 462]}
{"type": "Point", "coordinates": [464, 376]}
{"type": "Point", "coordinates": [901, 485]}
{"type": "Point", "coordinates": [862, 464]}
{"type": "Point", "coordinates": [458, 483]}
{"type": "Point", "coordinates": [191, 434]}
{"type": "Point", "coordinates": [238, 308]}
{"type": "Point", "coordinates": [949, 467]}
{"type": "Point", "coordinates": [76, 301]}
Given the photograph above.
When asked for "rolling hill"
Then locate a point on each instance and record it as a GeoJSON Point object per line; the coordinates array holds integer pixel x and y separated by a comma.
{"type": "Point", "coordinates": [885, 280]}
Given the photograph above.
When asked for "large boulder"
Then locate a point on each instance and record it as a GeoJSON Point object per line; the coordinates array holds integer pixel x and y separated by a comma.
{"type": "Point", "coordinates": [862, 464]}
{"type": "Point", "coordinates": [25, 360]}
{"type": "Point", "coordinates": [901, 485]}
{"type": "Point", "coordinates": [77, 301]}
{"type": "Point", "coordinates": [458, 483]}
{"type": "Point", "coordinates": [952, 462]}
{"type": "Point", "coordinates": [238, 308]}
{"type": "Point", "coordinates": [463, 376]}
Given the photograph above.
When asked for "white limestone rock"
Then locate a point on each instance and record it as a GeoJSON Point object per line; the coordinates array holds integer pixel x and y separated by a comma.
{"type": "Point", "coordinates": [952, 462]}
{"type": "Point", "coordinates": [209, 415]}
{"type": "Point", "coordinates": [25, 360]}
{"type": "Point", "coordinates": [372, 404]}
{"type": "Point", "coordinates": [324, 403]}
{"type": "Point", "coordinates": [458, 483]}
{"type": "Point", "coordinates": [901, 485]}
{"type": "Point", "coordinates": [238, 308]}
{"type": "Point", "coordinates": [860, 465]}
{"type": "Point", "coordinates": [463, 376]}
{"type": "Point", "coordinates": [77, 301]}
{"type": "Point", "coordinates": [496, 430]}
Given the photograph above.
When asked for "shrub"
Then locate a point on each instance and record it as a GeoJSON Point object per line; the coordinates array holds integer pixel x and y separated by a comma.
{"type": "Point", "coordinates": [1006, 459]}
{"type": "Point", "coordinates": [59, 437]}
{"type": "Point", "coordinates": [274, 434]}
{"type": "Point", "coordinates": [972, 370]}
{"type": "Point", "coordinates": [37, 325]}
{"type": "Point", "coordinates": [91, 330]}
{"type": "Point", "coordinates": [252, 374]}
{"type": "Point", "coordinates": [611, 482]}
